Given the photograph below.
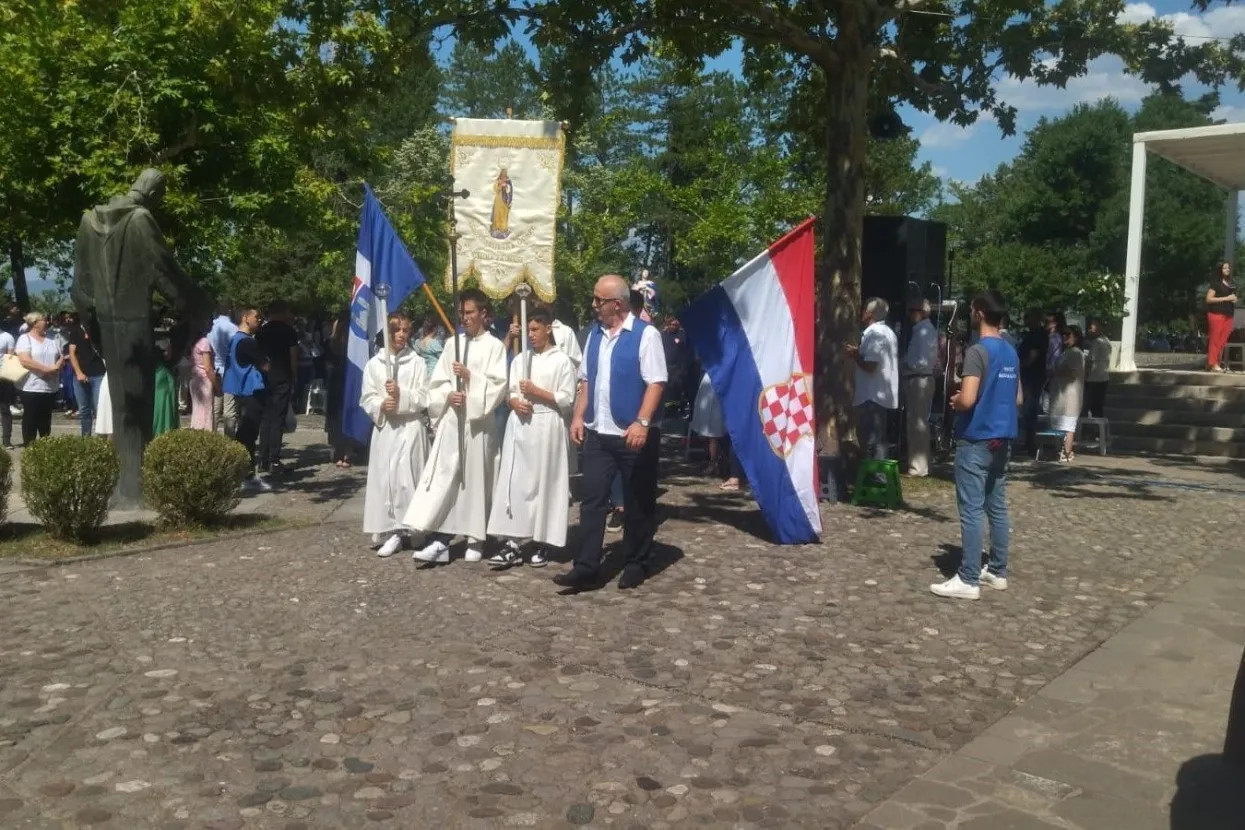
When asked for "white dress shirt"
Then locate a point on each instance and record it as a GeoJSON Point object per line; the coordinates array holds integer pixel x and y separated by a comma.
{"type": "Point", "coordinates": [922, 355]}
{"type": "Point", "coordinates": [652, 370]}
{"type": "Point", "coordinates": [881, 386]}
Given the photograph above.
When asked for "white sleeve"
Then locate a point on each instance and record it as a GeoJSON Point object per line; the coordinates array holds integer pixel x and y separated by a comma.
{"type": "Point", "coordinates": [872, 347]}
{"type": "Point", "coordinates": [652, 357]}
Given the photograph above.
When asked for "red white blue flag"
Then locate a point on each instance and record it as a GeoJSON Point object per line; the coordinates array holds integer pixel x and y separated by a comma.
{"type": "Point", "coordinates": [754, 336]}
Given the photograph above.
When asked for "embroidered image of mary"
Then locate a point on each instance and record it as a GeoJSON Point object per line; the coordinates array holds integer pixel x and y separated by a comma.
{"type": "Point", "coordinates": [503, 196]}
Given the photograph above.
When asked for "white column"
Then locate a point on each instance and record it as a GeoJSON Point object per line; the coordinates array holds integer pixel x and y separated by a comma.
{"type": "Point", "coordinates": [1229, 231]}
{"type": "Point", "coordinates": [1132, 259]}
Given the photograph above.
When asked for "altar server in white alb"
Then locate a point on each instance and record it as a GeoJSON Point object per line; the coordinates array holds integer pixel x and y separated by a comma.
{"type": "Point", "coordinates": [395, 397]}
{"type": "Point", "coordinates": [455, 491]}
{"type": "Point", "coordinates": [532, 495]}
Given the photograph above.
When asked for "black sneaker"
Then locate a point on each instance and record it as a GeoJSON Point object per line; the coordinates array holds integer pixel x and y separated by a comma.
{"type": "Point", "coordinates": [614, 523]}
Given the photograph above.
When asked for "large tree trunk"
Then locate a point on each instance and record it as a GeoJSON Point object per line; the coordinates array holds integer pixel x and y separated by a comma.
{"type": "Point", "coordinates": [838, 280]}
{"type": "Point", "coordinates": [17, 261]}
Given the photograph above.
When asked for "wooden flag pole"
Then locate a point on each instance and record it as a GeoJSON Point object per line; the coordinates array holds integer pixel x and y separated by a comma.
{"type": "Point", "coordinates": [445, 321]}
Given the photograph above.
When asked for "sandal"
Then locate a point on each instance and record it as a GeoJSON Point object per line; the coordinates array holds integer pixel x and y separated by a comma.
{"type": "Point", "coordinates": [730, 485]}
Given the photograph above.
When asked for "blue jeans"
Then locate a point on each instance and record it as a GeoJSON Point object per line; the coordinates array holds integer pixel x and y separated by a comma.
{"type": "Point", "coordinates": [981, 488]}
{"type": "Point", "coordinates": [87, 395]}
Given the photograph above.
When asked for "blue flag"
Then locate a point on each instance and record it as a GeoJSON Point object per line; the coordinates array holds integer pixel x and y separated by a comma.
{"type": "Point", "coordinates": [382, 259]}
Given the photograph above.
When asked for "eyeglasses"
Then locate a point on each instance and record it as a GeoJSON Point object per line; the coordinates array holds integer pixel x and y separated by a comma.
{"type": "Point", "coordinates": [600, 301]}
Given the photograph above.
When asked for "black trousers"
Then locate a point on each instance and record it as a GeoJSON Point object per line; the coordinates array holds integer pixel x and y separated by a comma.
{"type": "Point", "coordinates": [272, 425]}
{"type": "Point", "coordinates": [37, 415]}
{"type": "Point", "coordinates": [603, 456]}
{"type": "Point", "coordinates": [1095, 399]}
{"type": "Point", "coordinates": [250, 419]}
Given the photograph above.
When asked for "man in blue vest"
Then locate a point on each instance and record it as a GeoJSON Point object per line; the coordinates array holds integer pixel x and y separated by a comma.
{"type": "Point", "coordinates": [988, 406]}
{"type": "Point", "coordinates": [620, 388]}
{"type": "Point", "coordinates": [244, 381]}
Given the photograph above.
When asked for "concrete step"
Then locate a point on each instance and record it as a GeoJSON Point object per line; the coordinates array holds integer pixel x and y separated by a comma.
{"type": "Point", "coordinates": [1174, 403]}
{"type": "Point", "coordinates": [1125, 413]}
{"type": "Point", "coordinates": [1175, 446]}
{"type": "Point", "coordinates": [1183, 432]}
{"type": "Point", "coordinates": [1176, 378]}
{"type": "Point", "coordinates": [1233, 395]}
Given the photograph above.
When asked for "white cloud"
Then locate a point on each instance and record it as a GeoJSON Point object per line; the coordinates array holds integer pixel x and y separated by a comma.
{"type": "Point", "coordinates": [1104, 77]}
{"type": "Point", "coordinates": [1227, 112]}
{"type": "Point", "coordinates": [944, 134]}
{"type": "Point", "coordinates": [1223, 21]}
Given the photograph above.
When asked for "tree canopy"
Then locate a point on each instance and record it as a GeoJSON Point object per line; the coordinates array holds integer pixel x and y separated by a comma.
{"type": "Point", "coordinates": [1050, 227]}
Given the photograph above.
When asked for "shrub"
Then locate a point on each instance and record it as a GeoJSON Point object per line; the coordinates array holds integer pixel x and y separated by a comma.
{"type": "Point", "coordinates": [67, 482]}
{"type": "Point", "coordinates": [193, 477]}
{"type": "Point", "coordinates": [6, 482]}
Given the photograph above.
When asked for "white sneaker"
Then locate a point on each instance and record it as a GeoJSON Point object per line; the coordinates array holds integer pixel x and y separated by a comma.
{"type": "Point", "coordinates": [472, 555]}
{"type": "Point", "coordinates": [998, 583]}
{"type": "Point", "coordinates": [956, 588]}
{"type": "Point", "coordinates": [257, 484]}
{"type": "Point", "coordinates": [433, 552]}
{"type": "Point", "coordinates": [539, 558]}
{"type": "Point", "coordinates": [392, 546]}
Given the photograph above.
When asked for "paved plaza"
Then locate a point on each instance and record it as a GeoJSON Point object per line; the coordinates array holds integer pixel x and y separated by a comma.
{"type": "Point", "coordinates": [294, 680]}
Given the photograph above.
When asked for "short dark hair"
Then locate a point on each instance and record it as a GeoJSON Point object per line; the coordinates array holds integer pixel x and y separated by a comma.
{"type": "Point", "coordinates": [397, 317]}
{"type": "Point", "coordinates": [541, 315]}
{"type": "Point", "coordinates": [992, 306]}
{"type": "Point", "coordinates": [637, 301]}
{"type": "Point", "coordinates": [223, 308]}
{"type": "Point", "coordinates": [476, 297]}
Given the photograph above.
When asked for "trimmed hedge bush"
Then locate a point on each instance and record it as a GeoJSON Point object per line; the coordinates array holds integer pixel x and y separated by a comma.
{"type": "Point", "coordinates": [193, 477]}
{"type": "Point", "coordinates": [67, 481]}
{"type": "Point", "coordinates": [6, 482]}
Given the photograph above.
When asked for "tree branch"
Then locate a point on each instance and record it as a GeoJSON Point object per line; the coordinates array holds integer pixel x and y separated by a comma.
{"type": "Point", "coordinates": [789, 34]}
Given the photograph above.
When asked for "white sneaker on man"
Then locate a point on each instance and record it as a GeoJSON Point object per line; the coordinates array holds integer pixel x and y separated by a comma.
{"type": "Point", "coordinates": [998, 583]}
{"type": "Point", "coordinates": [392, 546]}
{"type": "Point", "coordinates": [257, 484]}
{"type": "Point", "coordinates": [473, 555]}
{"type": "Point", "coordinates": [956, 588]}
{"type": "Point", "coordinates": [433, 552]}
{"type": "Point", "coordinates": [539, 558]}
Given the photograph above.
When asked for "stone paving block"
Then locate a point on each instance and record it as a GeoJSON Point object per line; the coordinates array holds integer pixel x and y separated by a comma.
{"type": "Point", "coordinates": [994, 750]}
{"type": "Point", "coordinates": [1088, 775]}
{"type": "Point", "coordinates": [1100, 811]}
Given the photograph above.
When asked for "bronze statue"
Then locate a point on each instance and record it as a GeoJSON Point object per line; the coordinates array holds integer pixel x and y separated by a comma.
{"type": "Point", "coordinates": [120, 259]}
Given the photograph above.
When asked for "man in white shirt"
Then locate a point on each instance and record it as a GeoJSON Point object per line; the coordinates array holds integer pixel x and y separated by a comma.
{"type": "Point", "coordinates": [621, 380]}
{"type": "Point", "coordinates": [877, 378]}
{"type": "Point", "coordinates": [919, 366]}
{"type": "Point", "coordinates": [224, 406]}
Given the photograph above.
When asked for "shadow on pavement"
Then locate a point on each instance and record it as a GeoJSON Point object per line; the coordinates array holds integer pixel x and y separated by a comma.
{"type": "Point", "coordinates": [1209, 795]}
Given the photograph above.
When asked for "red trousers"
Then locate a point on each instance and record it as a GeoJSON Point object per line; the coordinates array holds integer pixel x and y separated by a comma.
{"type": "Point", "coordinates": [1220, 328]}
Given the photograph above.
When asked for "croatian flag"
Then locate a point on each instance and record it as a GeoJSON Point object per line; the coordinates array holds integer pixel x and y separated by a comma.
{"type": "Point", "coordinates": [754, 336]}
{"type": "Point", "coordinates": [382, 259]}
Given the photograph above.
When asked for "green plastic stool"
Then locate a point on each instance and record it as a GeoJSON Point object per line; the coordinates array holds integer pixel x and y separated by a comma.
{"type": "Point", "coordinates": [868, 492]}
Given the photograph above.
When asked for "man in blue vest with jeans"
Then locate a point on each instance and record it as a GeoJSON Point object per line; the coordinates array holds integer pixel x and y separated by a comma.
{"type": "Point", "coordinates": [987, 408]}
{"type": "Point", "coordinates": [621, 380]}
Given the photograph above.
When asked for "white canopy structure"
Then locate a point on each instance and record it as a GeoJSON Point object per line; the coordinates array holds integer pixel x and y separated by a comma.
{"type": "Point", "coordinates": [1217, 154]}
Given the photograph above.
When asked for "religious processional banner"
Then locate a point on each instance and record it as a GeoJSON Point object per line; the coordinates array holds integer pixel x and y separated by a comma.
{"type": "Point", "coordinates": [507, 226]}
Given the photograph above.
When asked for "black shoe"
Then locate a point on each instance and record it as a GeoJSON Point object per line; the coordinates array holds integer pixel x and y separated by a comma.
{"type": "Point", "coordinates": [632, 577]}
{"type": "Point", "coordinates": [574, 578]}
{"type": "Point", "coordinates": [614, 522]}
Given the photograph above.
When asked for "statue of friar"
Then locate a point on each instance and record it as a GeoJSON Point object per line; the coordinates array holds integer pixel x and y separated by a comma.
{"type": "Point", "coordinates": [120, 259]}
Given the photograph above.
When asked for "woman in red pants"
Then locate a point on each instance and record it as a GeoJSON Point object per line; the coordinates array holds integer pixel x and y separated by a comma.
{"type": "Point", "coordinates": [1220, 306]}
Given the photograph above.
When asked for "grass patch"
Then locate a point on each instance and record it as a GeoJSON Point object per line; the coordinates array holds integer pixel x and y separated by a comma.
{"type": "Point", "coordinates": [24, 540]}
{"type": "Point", "coordinates": [931, 485]}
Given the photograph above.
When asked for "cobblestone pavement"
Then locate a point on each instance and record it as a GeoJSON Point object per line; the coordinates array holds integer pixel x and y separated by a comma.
{"type": "Point", "coordinates": [296, 681]}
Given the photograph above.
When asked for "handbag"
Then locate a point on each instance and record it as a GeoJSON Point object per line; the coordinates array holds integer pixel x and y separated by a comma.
{"type": "Point", "coordinates": [12, 370]}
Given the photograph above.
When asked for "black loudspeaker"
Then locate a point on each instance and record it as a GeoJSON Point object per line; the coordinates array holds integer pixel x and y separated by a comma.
{"type": "Point", "coordinates": [901, 259]}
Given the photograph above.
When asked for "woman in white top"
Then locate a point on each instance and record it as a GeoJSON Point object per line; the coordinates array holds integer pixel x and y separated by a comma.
{"type": "Point", "coordinates": [8, 394]}
{"type": "Point", "coordinates": [41, 356]}
{"type": "Point", "coordinates": [1067, 387]}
